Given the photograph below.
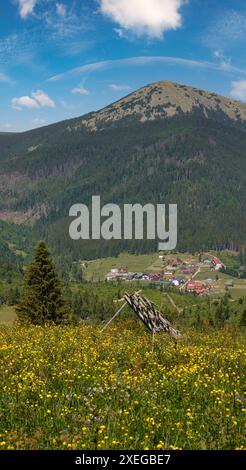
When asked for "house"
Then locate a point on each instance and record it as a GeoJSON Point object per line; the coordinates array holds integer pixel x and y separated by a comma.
{"type": "Point", "coordinates": [188, 270]}
{"type": "Point", "coordinates": [145, 277]}
{"type": "Point", "coordinates": [119, 270]}
{"type": "Point", "coordinates": [181, 279]}
{"type": "Point", "coordinates": [197, 287]}
{"type": "Point", "coordinates": [172, 262]}
{"type": "Point", "coordinates": [117, 273]}
{"type": "Point", "coordinates": [114, 271]}
{"type": "Point", "coordinates": [177, 281]}
{"type": "Point", "coordinates": [168, 272]}
{"type": "Point", "coordinates": [217, 264]}
{"type": "Point", "coordinates": [157, 277]}
{"type": "Point", "coordinates": [123, 269]}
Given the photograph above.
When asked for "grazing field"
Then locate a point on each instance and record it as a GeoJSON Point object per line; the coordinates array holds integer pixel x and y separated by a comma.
{"type": "Point", "coordinates": [97, 269]}
{"type": "Point", "coordinates": [73, 388]}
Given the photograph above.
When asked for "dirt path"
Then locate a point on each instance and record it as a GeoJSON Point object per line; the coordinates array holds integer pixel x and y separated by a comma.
{"type": "Point", "coordinates": [192, 277]}
{"type": "Point", "coordinates": [179, 309]}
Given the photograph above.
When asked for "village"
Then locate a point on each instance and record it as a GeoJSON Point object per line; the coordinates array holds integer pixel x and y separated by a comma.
{"type": "Point", "coordinates": [175, 273]}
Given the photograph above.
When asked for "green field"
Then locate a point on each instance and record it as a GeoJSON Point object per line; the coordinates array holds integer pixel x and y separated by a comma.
{"type": "Point", "coordinates": [97, 269]}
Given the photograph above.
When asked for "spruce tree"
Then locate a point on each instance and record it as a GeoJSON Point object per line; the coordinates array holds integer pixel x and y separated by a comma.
{"type": "Point", "coordinates": [41, 300]}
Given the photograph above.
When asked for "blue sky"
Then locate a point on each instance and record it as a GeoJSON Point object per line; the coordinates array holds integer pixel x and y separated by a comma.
{"type": "Point", "coordinates": [61, 59]}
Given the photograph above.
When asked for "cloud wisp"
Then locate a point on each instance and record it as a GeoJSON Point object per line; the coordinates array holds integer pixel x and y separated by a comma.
{"type": "Point", "coordinates": [226, 30]}
{"type": "Point", "coordinates": [80, 90]}
{"type": "Point", "coordinates": [26, 7]}
{"type": "Point", "coordinates": [4, 78]}
{"type": "Point", "coordinates": [38, 121]}
{"type": "Point", "coordinates": [61, 9]}
{"type": "Point", "coordinates": [144, 60]}
{"type": "Point", "coordinates": [115, 87]}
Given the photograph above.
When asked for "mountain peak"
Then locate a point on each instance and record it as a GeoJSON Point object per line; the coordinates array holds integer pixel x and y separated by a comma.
{"type": "Point", "coordinates": [162, 100]}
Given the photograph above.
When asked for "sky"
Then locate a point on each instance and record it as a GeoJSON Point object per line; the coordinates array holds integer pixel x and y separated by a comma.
{"type": "Point", "coordinates": [62, 59]}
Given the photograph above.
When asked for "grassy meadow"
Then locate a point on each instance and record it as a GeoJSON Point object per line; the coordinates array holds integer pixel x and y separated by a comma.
{"type": "Point", "coordinates": [74, 388]}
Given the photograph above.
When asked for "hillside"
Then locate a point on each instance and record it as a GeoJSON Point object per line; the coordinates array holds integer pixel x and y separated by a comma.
{"type": "Point", "coordinates": [164, 100]}
{"type": "Point", "coordinates": [164, 143]}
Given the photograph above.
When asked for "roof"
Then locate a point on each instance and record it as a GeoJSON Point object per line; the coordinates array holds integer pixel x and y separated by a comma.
{"type": "Point", "coordinates": [216, 261]}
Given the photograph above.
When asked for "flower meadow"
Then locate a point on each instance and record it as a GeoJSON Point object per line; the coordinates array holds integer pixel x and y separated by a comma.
{"type": "Point", "coordinates": [75, 388]}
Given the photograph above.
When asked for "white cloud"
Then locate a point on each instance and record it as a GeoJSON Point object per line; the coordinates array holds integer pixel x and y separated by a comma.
{"type": "Point", "coordinates": [61, 10]}
{"type": "Point", "coordinates": [238, 90]}
{"type": "Point", "coordinates": [69, 106]}
{"type": "Point", "coordinates": [24, 102]}
{"type": "Point", "coordinates": [4, 78]}
{"type": "Point", "coordinates": [38, 99]}
{"type": "Point", "coordinates": [43, 99]}
{"type": "Point", "coordinates": [26, 7]}
{"type": "Point", "coordinates": [119, 87]}
{"type": "Point", "coordinates": [38, 121]}
{"type": "Point", "coordinates": [81, 91]}
{"type": "Point", "coordinates": [225, 62]}
{"type": "Point", "coordinates": [151, 17]}
{"type": "Point", "coordinates": [218, 54]}
{"type": "Point", "coordinates": [7, 125]}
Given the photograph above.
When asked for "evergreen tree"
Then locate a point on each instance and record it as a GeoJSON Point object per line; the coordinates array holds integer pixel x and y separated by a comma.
{"type": "Point", "coordinates": [243, 318]}
{"type": "Point", "coordinates": [41, 299]}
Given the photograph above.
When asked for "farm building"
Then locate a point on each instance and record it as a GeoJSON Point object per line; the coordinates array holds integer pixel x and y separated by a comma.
{"type": "Point", "coordinates": [217, 264]}
{"type": "Point", "coordinates": [197, 287]}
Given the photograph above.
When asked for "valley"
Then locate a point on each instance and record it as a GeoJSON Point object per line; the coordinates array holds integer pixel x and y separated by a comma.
{"type": "Point", "coordinates": [125, 387]}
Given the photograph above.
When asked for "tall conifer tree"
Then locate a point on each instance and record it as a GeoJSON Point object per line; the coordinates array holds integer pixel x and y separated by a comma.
{"type": "Point", "coordinates": [41, 299]}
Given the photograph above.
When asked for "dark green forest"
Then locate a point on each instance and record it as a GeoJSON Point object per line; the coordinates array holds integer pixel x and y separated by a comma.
{"type": "Point", "coordinates": [189, 160]}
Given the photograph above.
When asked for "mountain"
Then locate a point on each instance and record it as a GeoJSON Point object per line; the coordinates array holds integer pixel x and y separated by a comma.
{"type": "Point", "coordinates": [163, 100]}
{"type": "Point", "coordinates": [165, 143]}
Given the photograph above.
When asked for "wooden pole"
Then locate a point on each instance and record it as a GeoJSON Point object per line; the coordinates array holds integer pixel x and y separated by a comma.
{"type": "Point", "coordinates": [115, 315]}
{"type": "Point", "coordinates": [153, 340]}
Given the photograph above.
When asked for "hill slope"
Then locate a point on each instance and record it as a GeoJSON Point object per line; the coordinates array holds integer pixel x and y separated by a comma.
{"type": "Point", "coordinates": [164, 143]}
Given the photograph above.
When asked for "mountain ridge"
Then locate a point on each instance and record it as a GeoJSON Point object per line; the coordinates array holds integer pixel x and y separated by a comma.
{"type": "Point", "coordinates": [165, 99]}
{"type": "Point", "coordinates": [234, 109]}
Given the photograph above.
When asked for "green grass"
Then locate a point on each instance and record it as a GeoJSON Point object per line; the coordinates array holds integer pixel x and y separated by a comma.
{"type": "Point", "coordinates": [239, 289]}
{"type": "Point", "coordinates": [7, 314]}
{"type": "Point", "coordinates": [97, 269]}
